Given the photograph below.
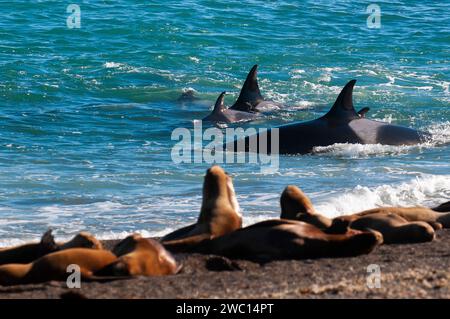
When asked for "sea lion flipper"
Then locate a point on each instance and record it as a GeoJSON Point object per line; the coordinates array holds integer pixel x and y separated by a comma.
{"type": "Point", "coordinates": [343, 107]}
{"type": "Point", "coordinates": [179, 233]}
{"type": "Point", "coordinates": [192, 243]}
{"type": "Point", "coordinates": [47, 243]}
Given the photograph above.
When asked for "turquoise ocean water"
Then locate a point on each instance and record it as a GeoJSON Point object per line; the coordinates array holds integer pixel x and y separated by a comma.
{"type": "Point", "coordinates": [86, 114]}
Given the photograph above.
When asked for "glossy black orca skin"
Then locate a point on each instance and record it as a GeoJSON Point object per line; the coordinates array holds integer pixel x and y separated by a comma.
{"type": "Point", "coordinates": [221, 114]}
{"type": "Point", "coordinates": [342, 124]}
{"type": "Point", "coordinates": [250, 98]}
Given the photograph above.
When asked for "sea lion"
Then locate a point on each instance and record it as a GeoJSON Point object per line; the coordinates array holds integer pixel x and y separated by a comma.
{"type": "Point", "coordinates": [26, 253]}
{"type": "Point", "coordinates": [219, 214]}
{"type": "Point", "coordinates": [140, 257]}
{"type": "Point", "coordinates": [295, 205]}
{"type": "Point", "coordinates": [394, 228]}
{"type": "Point", "coordinates": [414, 214]}
{"type": "Point", "coordinates": [54, 266]}
{"type": "Point", "coordinates": [287, 239]}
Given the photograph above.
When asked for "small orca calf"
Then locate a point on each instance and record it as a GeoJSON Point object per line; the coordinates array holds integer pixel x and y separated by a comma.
{"type": "Point", "coordinates": [250, 98]}
{"type": "Point", "coordinates": [342, 124]}
{"type": "Point", "coordinates": [220, 114]}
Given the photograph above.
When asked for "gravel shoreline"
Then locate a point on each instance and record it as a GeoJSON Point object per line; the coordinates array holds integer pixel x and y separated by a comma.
{"type": "Point", "coordinates": [407, 271]}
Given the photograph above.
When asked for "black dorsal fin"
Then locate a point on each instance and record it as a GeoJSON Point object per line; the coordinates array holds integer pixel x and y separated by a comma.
{"type": "Point", "coordinates": [219, 106]}
{"type": "Point", "coordinates": [343, 107]}
{"type": "Point", "coordinates": [250, 94]}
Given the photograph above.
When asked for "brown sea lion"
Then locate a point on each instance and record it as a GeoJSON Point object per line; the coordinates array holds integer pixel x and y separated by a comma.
{"type": "Point", "coordinates": [394, 228]}
{"type": "Point", "coordinates": [26, 253]}
{"type": "Point", "coordinates": [288, 239]}
{"type": "Point", "coordinates": [414, 214]}
{"type": "Point", "coordinates": [140, 257]}
{"type": "Point", "coordinates": [54, 266]}
{"type": "Point", "coordinates": [219, 213]}
{"type": "Point", "coordinates": [295, 205]}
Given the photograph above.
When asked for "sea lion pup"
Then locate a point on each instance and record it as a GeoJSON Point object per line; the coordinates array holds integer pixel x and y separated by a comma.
{"type": "Point", "coordinates": [219, 214]}
{"type": "Point", "coordinates": [394, 228]}
{"type": "Point", "coordinates": [54, 266]}
{"type": "Point", "coordinates": [140, 257]}
{"type": "Point", "coordinates": [295, 205]}
{"type": "Point", "coordinates": [414, 214]}
{"type": "Point", "coordinates": [26, 253]}
{"type": "Point", "coordinates": [288, 239]}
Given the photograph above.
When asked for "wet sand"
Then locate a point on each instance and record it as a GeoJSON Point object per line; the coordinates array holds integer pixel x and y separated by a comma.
{"type": "Point", "coordinates": [407, 271]}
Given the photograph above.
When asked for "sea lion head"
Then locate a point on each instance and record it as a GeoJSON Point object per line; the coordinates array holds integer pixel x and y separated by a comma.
{"type": "Point", "coordinates": [218, 194]}
{"type": "Point", "coordinates": [83, 240]}
{"type": "Point", "coordinates": [141, 256]}
{"type": "Point", "coordinates": [294, 202]}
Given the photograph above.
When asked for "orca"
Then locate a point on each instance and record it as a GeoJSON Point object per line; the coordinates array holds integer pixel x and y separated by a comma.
{"type": "Point", "coordinates": [342, 124]}
{"type": "Point", "coordinates": [221, 114]}
{"type": "Point", "coordinates": [250, 98]}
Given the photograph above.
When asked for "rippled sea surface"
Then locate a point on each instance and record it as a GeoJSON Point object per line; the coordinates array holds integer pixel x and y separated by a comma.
{"type": "Point", "coordinates": [86, 114]}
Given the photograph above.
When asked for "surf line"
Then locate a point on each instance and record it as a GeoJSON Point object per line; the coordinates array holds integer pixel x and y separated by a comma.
{"type": "Point", "coordinates": [227, 147]}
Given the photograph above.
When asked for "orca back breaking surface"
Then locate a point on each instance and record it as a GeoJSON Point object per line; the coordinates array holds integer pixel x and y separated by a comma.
{"type": "Point", "coordinates": [250, 95]}
{"type": "Point", "coordinates": [221, 114]}
{"type": "Point", "coordinates": [342, 124]}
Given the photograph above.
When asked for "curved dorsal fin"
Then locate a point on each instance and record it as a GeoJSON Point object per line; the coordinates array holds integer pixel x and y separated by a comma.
{"type": "Point", "coordinates": [250, 95]}
{"type": "Point", "coordinates": [219, 106]}
{"type": "Point", "coordinates": [343, 107]}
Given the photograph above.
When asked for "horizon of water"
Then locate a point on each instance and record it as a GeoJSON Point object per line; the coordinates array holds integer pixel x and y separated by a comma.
{"type": "Point", "coordinates": [86, 114]}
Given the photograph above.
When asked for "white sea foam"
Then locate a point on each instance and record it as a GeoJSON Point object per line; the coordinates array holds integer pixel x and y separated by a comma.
{"type": "Point", "coordinates": [428, 190]}
{"type": "Point", "coordinates": [361, 150]}
{"type": "Point", "coordinates": [113, 65]}
{"type": "Point", "coordinates": [440, 136]}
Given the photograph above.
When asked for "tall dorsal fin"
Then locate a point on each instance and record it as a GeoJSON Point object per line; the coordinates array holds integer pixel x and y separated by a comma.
{"type": "Point", "coordinates": [343, 107]}
{"type": "Point", "coordinates": [250, 95]}
{"type": "Point", "coordinates": [219, 106]}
